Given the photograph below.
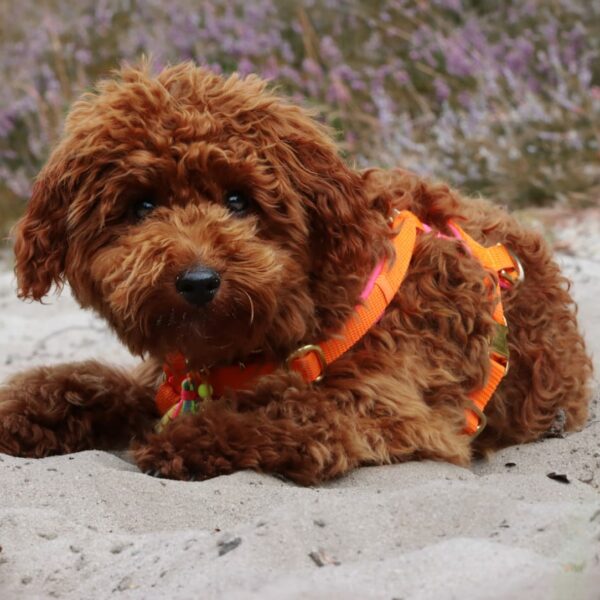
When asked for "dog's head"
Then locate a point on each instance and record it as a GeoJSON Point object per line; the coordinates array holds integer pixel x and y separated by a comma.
{"type": "Point", "coordinates": [199, 214]}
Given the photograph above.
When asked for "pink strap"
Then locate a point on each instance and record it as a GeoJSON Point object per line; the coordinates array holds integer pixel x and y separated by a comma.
{"type": "Point", "coordinates": [374, 275]}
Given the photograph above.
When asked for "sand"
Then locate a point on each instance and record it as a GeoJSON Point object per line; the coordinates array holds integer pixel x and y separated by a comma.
{"type": "Point", "coordinates": [90, 525]}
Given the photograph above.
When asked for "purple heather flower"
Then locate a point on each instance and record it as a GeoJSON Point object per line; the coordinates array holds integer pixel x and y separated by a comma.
{"type": "Point", "coordinates": [457, 60]}
{"type": "Point", "coordinates": [455, 5]}
{"type": "Point", "coordinates": [442, 91]}
{"type": "Point", "coordinates": [311, 68]}
{"type": "Point", "coordinates": [519, 54]}
{"type": "Point", "coordinates": [245, 67]}
{"type": "Point", "coordinates": [329, 51]}
{"type": "Point", "coordinates": [338, 93]}
{"type": "Point", "coordinates": [6, 124]}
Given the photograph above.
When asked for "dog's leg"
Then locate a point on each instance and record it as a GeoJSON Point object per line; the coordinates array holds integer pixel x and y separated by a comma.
{"type": "Point", "coordinates": [307, 435]}
{"type": "Point", "coordinates": [71, 407]}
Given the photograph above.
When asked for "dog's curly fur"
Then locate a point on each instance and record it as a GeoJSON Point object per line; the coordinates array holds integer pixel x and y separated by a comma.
{"type": "Point", "coordinates": [291, 272]}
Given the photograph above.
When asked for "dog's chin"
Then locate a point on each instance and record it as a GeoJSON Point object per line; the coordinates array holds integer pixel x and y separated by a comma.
{"type": "Point", "coordinates": [205, 337]}
{"type": "Point", "coordinates": [205, 353]}
{"type": "Point", "coordinates": [230, 328]}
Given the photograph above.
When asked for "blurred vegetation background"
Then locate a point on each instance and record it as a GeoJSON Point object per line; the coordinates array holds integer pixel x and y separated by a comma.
{"type": "Point", "coordinates": [500, 98]}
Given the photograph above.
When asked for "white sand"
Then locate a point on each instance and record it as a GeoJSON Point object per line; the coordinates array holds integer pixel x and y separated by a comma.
{"type": "Point", "coordinates": [90, 525]}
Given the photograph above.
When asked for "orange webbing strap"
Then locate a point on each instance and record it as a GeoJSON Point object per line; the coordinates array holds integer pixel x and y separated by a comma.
{"type": "Point", "coordinates": [310, 361]}
{"type": "Point", "coordinates": [165, 398]}
{"type": "Point", "coordinates": [235, 377]}
{"type": "Point", "coordinates": [475, 418]}
{"type": "Point", "coordinates": [238, 377]}
{"type": "Point", "coordinates": [498, 259]}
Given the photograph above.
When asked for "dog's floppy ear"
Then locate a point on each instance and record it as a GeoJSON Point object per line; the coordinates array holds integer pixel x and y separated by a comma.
{"type": "Point", "coordinates": [40, 237]}
{"type": "Point", "coordinates": [342, 226]}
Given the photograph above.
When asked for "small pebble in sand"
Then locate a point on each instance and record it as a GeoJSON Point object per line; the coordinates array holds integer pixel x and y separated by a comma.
{"type": "Point", "coordinates": [261, 529]}
{"type": "Point", "coordinates": [560, 477]}
{"type": "Point", "coordinates": [118, 548]}
{"type": "Point", "coordinates": [125, 584]}
{"type": "Point", "coordinates": [189, 543]}
{"type": "Point", "coordinates": [321, 558]}
{"type": "Point", "coordinates": [226, 546]}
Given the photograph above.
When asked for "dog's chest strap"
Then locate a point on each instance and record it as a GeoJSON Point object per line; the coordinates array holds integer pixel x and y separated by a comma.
{"type": "Point", "coordinates": [182, 391]}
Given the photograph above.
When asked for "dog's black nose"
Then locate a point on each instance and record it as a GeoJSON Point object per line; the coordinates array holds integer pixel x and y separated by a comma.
{"type": "Point", "coordinates": [198, 286]}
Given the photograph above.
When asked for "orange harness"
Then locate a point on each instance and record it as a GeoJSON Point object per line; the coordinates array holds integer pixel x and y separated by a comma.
{"type": "Point", "coordinates": [310, 361]}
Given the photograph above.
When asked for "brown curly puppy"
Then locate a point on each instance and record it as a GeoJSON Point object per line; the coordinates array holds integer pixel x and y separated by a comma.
{"type": "Point", "coordinates": [208, 217]}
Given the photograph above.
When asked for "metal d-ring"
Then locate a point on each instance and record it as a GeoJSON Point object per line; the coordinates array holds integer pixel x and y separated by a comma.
{"type": "Point", "coordinates": [503, 273]}
{"type": "Point", "coordinates": [303, 351]}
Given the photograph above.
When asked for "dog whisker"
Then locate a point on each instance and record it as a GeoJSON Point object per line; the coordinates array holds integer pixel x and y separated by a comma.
{"type": "Point", "coordinates": [251, 306]}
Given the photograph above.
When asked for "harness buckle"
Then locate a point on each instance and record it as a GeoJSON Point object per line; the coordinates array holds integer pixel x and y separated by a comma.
{"type": "Point", "coordinates": [480, 415]}
{"type": "Point", "coordinates": [303, 351]}
{"type": "Point", "coordinates": [508, 277]}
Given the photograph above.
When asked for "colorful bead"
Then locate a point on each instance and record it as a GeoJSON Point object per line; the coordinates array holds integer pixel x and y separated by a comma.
{"type": "Point", "coordinates": [191, 400]}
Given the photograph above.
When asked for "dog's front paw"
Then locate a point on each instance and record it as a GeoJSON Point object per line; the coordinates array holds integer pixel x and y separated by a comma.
{"type": "Point", "coordinates": [174, 456]}
{"type": "Point", "coordinates": [19, 436]}
{"type": "Point", "coordinates": [72, 407]}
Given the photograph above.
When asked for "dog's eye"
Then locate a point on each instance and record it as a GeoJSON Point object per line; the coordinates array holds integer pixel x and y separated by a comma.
{"type": "Point", "coordinates": [237, 202]}
{"type": "Point", "coordinates": [142, 208]}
